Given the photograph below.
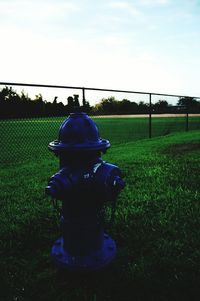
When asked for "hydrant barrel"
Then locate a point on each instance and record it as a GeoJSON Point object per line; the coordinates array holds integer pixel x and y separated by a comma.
{"type": "Point", "coordinates": [85, 184]}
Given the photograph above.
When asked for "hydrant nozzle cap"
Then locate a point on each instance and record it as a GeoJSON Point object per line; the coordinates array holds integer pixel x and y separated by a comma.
{"type": "Point", "coordinates": [79, 132]}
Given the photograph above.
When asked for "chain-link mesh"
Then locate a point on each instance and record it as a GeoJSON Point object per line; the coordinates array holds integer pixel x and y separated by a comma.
{"type": "Point", "coordinates": [194, 122]}
{"type": "Point", "coordinates": [24, 139]}
{"type": "Point", "coordinates": [25, 133]}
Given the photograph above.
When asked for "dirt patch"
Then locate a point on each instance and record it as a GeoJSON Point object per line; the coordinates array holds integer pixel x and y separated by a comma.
{"type": "Point", "coordinates": [144, 116]}
{"type": "Point", "coordinates": [183, 148]}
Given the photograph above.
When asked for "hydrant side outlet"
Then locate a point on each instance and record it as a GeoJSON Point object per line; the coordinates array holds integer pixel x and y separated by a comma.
{"type": "Point", "coordinates": [84, 184]}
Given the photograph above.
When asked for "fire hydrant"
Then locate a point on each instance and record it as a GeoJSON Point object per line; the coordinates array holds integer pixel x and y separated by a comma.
{"type": "Point", "coordinates": [84, 184]}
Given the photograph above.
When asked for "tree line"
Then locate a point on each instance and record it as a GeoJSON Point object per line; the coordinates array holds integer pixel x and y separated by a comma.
{"type": "Point", "coordinates": [112, 106]}
{"type": "Point", "coordinates": [18, 105]}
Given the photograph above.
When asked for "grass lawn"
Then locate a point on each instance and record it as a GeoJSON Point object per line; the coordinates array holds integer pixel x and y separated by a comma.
{"type": "Point", "coordinates": [157, 226]}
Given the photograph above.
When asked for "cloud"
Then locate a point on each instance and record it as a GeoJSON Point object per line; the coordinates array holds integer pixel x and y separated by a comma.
{"type": "Point", "coordinates": [125, 6]}
{"type": "Point", "coordinates": [104, 47]}
{"type": "Point", "coordinates": [135, 9]}
{"type": "Point", "coordinates": [154, 2]}
{"type": "Point", "coordinates": [21, 9]}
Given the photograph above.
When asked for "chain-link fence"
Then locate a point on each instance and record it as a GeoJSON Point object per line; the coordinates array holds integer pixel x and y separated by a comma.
{"type": "Point", "coordinates": [28, 138]}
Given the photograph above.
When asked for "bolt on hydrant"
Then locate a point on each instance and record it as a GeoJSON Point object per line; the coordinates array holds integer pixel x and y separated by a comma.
{"type": "Point", "coordinates": [84, 184]}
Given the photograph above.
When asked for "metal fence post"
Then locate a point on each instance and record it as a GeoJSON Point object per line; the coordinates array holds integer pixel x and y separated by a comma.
{"type": "Point", "coordinates": [187, 120]}
{"type": "Point", "coordinates": [150, 123]}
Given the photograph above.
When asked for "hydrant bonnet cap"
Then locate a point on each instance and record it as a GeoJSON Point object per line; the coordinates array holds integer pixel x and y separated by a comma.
{"type": "Point", "coordinates": [79, 132]}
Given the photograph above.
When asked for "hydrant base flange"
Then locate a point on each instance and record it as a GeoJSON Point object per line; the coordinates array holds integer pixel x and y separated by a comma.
{"type": "Point", "coordinates": [93, 261]}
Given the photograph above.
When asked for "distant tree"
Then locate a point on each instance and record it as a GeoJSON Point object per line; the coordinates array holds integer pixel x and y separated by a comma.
{"type": "Point", "coordinates": [76, 101]}
{"type": "Point", "coordinates": [70, 104]}
{"type": "Point", "coordinates": [14, 105]}
{"type": "Point", "coordinates": [55, 100]}
{"type": "Point", "coordinates": [161, 106]}
{"type": "Point", "coordinates": [86, 107]}
{"type": "Point", "coordinates": [3, 93]}
{"type": "Point", "coordinates": [190, 104]}
{"type": "Point", "coordinates": [107, 106]}
{"type": "Point", "coordinates": [10, 103]}
{"type": "Point", "coordinates": [4, 104]}
{"type": "Point", "coordinates": [38, 106]}
{"type": "Point", "coordinates": [143, 108]}
{"type": "Point", "coordinates": [112, 106]}
{"type": "Point", "coordinates": [38, 98]}
{"type": "Point", "coordinates": [60, 109]}
{"type": "Point", "coordinates": [124, 106]}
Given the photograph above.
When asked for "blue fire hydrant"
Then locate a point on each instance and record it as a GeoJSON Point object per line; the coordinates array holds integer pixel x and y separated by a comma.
{"type": "Point", "coordinates": [84, 184]}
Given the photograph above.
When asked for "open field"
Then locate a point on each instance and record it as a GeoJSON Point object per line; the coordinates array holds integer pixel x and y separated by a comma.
{"type": "Point", "coordinates": [27, 138]}
{"type": "Point", "coordinates": [157, 225]}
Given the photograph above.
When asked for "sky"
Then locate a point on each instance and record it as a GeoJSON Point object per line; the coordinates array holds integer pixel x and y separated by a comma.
{"type": "Point", "coordinates": [139, 45]}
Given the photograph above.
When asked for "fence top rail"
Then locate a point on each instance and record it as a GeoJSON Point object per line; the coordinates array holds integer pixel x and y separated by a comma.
{"type": "Point", "coordinates": [92, 89]}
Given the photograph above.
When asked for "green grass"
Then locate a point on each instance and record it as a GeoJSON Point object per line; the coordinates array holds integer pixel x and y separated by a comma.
{"type": "Point", "coordinates": [157, 225]}
{"type": "Point", "coordinates": [25, 139]}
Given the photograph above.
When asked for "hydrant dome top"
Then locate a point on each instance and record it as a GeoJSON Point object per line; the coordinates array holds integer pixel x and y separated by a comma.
{"type": "Point", "coordinates": [79, 132]}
